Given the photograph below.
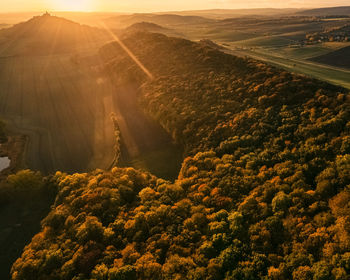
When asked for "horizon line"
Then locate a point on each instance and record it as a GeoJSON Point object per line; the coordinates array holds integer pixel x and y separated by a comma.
{"type": "Point", "coordinates": [171, 11]}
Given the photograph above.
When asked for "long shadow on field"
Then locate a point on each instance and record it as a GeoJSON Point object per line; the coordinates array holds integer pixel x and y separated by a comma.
{"type": "Point", "coordinates": [57, 104]}
{"type": "Point", "coordinates": [145, 144]}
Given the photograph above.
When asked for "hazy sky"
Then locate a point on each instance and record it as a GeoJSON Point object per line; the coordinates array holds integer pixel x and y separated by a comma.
{"type": "Point", "coordinates": [158, 5]}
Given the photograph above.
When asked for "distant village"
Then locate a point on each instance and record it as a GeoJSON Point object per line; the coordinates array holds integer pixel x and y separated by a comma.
{"type": "Point", "coordinates": [341, 34]}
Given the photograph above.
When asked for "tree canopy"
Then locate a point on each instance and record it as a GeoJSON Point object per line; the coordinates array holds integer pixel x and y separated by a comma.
{"type": "Point", "coordinates": [264, 192]}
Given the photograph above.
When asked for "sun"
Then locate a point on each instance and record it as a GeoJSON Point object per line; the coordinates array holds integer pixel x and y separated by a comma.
{"type": "Point", "coordinates": [72, 5]}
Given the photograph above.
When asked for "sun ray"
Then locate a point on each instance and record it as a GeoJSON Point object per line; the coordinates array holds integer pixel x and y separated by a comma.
{"type": "Point", "coordinates": [72, 5]}
{"type": "Point", "coordinates": [127, 50]}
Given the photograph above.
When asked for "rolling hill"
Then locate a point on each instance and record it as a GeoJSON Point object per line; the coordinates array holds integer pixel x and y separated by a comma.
{"type": "Point", "coordinates": [230, 13]}
{"type": "Point", "coordinates": [152, 27]}
{"type": "Point", "coordinates": [338, 58]}
{"type": "Point", "coordinates": [146, 26]}
{"type": "Point", "coordinates": [331, 11]}
{"type": "Point", "coordinates": [47, 34]}
{"type": "Point", "coordinates": [163, 20]}
{"type": "Point", "coordinates": [262, 194]}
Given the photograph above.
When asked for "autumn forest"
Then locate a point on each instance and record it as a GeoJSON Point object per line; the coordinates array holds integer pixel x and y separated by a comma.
{"type": "Point", "coordinates": [257, 180]}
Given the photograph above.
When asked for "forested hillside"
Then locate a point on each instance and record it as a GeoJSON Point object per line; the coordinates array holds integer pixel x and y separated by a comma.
{"type": "Point", "coordinates": [263, 194]}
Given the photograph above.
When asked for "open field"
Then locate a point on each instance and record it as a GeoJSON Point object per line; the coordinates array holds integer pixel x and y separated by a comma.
{"type": "Point", "coordinates": [295, 52]}
{"type": "Point", "coordinates": [266, 41]}
{"type": "Point", "coordinates": [334, 75]}
{"type": "Point", "coordinates": [58, 105]}
{"type": "Point", "coordinates": [304, 52]}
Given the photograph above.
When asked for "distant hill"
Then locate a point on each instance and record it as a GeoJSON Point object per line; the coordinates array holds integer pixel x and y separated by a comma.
{"type": "Point", "coordinates": [332, 11]}
{"type": "Point", "coordinates": [160, 19]}
{"type": "Point", "coordinates": [48, 35]}
{"type": "Point", "coordinates": [146, 26]}
{"type": "Point", "coordinates": [152, 27]}
{"type": "Point", "coordinates": [227, 13]}
{"type": "Point", "coordinates": [339, 58]}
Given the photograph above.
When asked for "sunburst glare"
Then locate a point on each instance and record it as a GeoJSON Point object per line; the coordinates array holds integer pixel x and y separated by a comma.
{"type": "Point", "coordinates": [76, 5]}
